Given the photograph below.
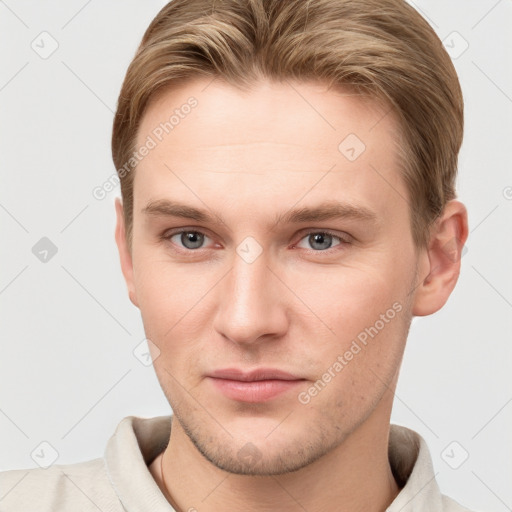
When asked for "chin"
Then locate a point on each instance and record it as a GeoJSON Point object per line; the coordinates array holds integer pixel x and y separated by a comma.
{"type": "Point", "coordinates": [261, 452]}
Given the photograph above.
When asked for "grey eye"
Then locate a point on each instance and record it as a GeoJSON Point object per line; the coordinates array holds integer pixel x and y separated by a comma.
{"type": "Point", "coordinates": [319, 241]}
{"type": "Point", "coordinates": [191, 239]}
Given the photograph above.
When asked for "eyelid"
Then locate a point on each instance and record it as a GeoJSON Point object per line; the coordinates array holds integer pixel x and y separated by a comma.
{"type": "Point", "coordinates": [344, 238]}
{"type": "Point", "coordinates": [185, 229]}
{"type": "Point", "coordinates": [342, 235]}
{"type": "Point", "coordinates": [169, 233]}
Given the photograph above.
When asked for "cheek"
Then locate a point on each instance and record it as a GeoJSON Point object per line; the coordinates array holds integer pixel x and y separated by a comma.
{"type": "Point", "coordinates": [356, 371]}
{"type": "Point", "coordinates": [173, 305]}
{"type": "Point", "coordinates": [368, 310]}
{"type": "Point", "coordinates": [348, 299]}
{"type": "Point", "coordinates": [167, 292]}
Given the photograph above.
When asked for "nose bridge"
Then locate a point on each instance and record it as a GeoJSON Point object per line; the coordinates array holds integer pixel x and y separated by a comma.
{"type": "Point", "coordinates": [250, 281]}
{"type": "Point", "coordinates": [249, 301]}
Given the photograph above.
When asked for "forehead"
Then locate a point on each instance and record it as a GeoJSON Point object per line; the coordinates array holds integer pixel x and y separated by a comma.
{"type": "Point", "coordinates": [276, 141]}
{"type": "Point", "coordinates": [302, 114]}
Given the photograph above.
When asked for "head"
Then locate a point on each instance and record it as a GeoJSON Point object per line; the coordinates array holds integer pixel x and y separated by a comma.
{"type": "Point", "coordinates": [287, 175]}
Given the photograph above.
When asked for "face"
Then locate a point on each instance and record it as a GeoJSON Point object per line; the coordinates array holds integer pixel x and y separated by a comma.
{"type": "Point", "coordinates": [273, 265]}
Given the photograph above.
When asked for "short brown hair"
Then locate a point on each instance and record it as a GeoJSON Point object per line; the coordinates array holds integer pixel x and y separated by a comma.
{"type": "Point", "coordinates": [381, 48]}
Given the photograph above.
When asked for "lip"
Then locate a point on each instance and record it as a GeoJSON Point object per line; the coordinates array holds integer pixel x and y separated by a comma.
{"type": "Point", "coordinates": [259, 385]}
{"type": "Point", "coordinates": [253, 375]}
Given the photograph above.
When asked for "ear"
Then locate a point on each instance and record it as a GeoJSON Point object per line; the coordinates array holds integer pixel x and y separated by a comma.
{"type": "Point", "coordinates": [124, 252]}
{"type": "Point", "coordinates": [439, 264]}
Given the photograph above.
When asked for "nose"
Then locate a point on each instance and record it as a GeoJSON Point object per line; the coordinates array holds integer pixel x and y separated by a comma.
{"type": "Point", "coordinates": [251, 303]}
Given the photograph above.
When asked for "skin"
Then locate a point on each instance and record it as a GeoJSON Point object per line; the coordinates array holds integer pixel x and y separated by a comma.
{"type": "Point", "coordinates": [248, 157]}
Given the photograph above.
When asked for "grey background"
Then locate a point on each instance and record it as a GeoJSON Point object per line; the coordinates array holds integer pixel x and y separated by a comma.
{"type": "Point", "coordinates": [68, 373]}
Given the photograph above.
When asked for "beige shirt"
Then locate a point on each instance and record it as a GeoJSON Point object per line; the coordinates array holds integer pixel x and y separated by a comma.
{"type": "Point", "coordinates": [121, 481]}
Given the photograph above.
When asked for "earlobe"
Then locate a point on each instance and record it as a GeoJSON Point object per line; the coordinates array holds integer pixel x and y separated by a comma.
{"type": "Point", "coordinates": [439, 265]}
{"type": "Point", "coordinates": [125, 255]}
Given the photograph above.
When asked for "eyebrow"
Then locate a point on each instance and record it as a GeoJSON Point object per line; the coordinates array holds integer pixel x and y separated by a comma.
{"type": "Point", "coordinates": [329, 210]}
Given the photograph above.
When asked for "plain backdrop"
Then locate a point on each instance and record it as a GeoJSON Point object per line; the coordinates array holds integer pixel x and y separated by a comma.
{"type": "Point", "coordinates": [68, 371]}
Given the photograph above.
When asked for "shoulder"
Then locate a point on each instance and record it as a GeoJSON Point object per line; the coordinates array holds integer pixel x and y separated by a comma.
{"type": "Point", "coordinates": [84, 486]}
{"type": "Point", "coordinates": [412, 467]}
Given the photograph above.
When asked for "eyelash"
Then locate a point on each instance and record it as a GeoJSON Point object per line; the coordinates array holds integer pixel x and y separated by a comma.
{"type": "Point", "coordinates": [342, 240]}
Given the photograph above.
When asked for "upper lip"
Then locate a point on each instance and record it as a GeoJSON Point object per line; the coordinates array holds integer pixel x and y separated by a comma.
{"type": "Point", "coordinates": [253, 375]}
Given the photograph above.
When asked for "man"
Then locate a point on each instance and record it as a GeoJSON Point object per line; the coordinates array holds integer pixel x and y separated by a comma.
{"type": "Point", "coordinates": [287, 173]}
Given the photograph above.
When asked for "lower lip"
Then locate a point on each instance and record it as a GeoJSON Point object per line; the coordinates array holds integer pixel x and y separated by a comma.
{"type": "Point", "coordinates": [254, 391]}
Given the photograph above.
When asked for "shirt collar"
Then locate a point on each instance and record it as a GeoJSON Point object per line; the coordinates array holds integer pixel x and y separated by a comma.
{"type": "Point", "coordinates": [410, 461]}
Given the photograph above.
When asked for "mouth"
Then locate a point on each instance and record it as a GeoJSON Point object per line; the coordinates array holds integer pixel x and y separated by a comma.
{"type": "Point", "coordinates": [253, 386]}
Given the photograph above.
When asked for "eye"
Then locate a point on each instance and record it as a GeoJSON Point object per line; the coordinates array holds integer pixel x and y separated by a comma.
{"type": "Point", "coordinates": [321, 241]}
{"type": "Point", "coordinates": [187, 239]}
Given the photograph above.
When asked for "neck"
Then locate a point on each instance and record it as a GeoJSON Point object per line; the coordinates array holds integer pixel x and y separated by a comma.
{"type": "Point", "coordinates": [353, 477]}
